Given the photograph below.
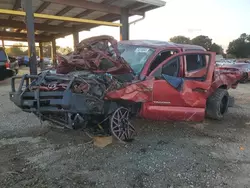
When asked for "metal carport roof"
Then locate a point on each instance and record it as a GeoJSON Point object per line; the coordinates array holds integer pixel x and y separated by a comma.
{"type": "Point", "coordinates": [13, 27]}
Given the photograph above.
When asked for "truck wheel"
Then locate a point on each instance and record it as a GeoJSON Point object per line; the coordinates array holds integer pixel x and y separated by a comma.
{"type": "Point", "coordinates": [244, 78]}
{"type": "Point", "coordinates": [217, 104]}
{"type": "Point", "coordinates": [231, 101]}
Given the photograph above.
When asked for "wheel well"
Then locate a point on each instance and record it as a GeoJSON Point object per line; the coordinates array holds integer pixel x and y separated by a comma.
{"type": "Point", "coordinates": [223, 86]}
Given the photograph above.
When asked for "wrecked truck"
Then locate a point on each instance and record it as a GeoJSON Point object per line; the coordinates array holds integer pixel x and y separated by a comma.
{"type": "Point", "coordinates": [104, 83]}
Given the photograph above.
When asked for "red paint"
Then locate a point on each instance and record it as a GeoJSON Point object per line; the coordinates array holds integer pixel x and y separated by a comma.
{"type": "Point", "coordinates": [161, 101]}
{"type": "Point", "coordinates": [90, 54]}
{"type": "Point", "coordinates": [165, 113]}
{"type": "Point", "coordinates": [237, 67]}
{"type": "Point", "coordinates": [135, 92]}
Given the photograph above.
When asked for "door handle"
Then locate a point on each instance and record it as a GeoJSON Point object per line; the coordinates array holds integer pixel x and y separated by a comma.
{"type": "Point", "coordinates": [200, 90]}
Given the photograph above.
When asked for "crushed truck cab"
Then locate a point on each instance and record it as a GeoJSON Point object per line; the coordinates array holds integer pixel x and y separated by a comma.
{"type": "Point", "coordinates": [106, 83]}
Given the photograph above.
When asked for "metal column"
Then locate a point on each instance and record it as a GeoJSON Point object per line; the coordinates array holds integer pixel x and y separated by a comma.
{"type": "Point", "coordinates": [53, 52]}
{"type": "Point", "coordinates": [124, 29]}
{"type": "Point", "coordinates": [27, 4]}
{"type": "Point", "coordinates": [75, 39]}
{"type": "Point", "coordinates": [3, 43]}
{"type": "Point", "coordinates": [41, 56]}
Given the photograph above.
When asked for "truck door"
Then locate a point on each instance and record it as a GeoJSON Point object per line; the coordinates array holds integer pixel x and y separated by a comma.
{"type": "Point", "coordinates": [180, 87]}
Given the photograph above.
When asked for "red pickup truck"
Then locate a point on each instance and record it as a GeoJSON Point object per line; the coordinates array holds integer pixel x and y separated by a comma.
{"type": "Point", "coordinates": [108, 81]}
{"type": "Point", "coordinates": [186, 85]}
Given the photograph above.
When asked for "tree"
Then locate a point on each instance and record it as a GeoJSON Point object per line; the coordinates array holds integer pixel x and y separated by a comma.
{"type": "Point", "coordinates": [47, 49]}
{"type": "Point", "coordinates": [240, 47]}
{"type": "Point", "coordinates": [203, 41]}
{"type": "Point", "coordinates": [216, 48]}
{"type": "Point", "coordinates": [16, 50]}
{"type": "Point", "coordinates": [64, 51]}
{"type": "Point", "coordinates": [180, 40]}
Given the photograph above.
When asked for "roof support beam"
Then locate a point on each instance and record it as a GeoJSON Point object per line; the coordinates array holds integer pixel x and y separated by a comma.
{"type": "Point", "coordinates": [61, 18]}
{"type": "Point", "coordinates": [107, 17]}
{"type": "Point", "coordinates": [41, 8]}
{"type": "Point", "coordinates": [5, 34]}
{"type": "Point", "coordinates": [94, 6]}
{"type": "Point", "coordinates": [15, 7]}
{"type": "Point", "coordinates": [60, 13]}
{"type": "Point", "coordinates": [80, 15]}
{"type": "Point", "coordinates": [87, 27]}
{"type": "Point", "coordinates": [14, 39]}
{"type": "Point", "coordinates": [124, 30]}
{"type": "Point", "coordinates": [38, 26]}
{"type": "Point", "coordinates": [87, 12]}
{"type": "Point", "coordinates": [158, 3]}
{"type": "Point", "coordinates": [31, 36]}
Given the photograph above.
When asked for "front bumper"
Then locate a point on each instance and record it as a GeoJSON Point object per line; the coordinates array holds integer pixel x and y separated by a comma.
{"type": "Point", "coordinates": [44, 102]}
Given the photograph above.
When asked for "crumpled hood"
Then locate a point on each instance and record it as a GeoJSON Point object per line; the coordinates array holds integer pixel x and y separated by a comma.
{"type": "Point", "coordinates": [95, 54]}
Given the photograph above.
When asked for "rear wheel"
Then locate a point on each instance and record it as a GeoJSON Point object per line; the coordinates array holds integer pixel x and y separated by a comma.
{"type": "Point", "coordinates": [217, 104]}
{"type": "Point", "coordinates": [244, 78]}
{"type": "Point", "coordinates": [231, 101]}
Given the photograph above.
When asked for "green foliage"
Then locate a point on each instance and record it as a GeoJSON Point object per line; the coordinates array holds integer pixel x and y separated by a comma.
{"type": "Point", "coordinates": [47, 49]}
{"type": "Point", "coordinates": [16, 50]}
{"type": "Point", "coordinates": [180, 40]}
{"type": "Point", "coordinates": [230, 56]}
{"type": "Point", "coordinates": [240, 47]}
{"type": "Point", "coordinates": [200, 40]}
{"type": "Point", "coordinates": [216, 48]}
{"type": "Point", "coordinates": [64, 51]}
{"type": "Point", "coordinates": [203, 41]}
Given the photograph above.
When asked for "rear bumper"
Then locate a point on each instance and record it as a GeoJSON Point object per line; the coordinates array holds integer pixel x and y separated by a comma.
{"type": "Point", "coordinates": [44, 102]}
{"type": "Point", "coordinates": [6, 73]}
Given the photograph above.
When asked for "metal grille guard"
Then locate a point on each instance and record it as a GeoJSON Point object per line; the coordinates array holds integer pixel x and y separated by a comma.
{"type": "Point", "coordinates": [52, 101]}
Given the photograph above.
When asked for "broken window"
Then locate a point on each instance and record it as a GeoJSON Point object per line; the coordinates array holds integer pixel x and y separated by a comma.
{"type": "Point", "coordinates": [195, 62]}
{"type": "Point", "coordinates": [162, 56]}
{"type": "Point", "coordinates": [196, 66]}
{"type": "Point", "coordinates": [172, 68]}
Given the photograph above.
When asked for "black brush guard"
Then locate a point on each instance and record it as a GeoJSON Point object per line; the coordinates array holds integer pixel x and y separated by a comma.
{"type": "Point", "coordinates": [50, 105]}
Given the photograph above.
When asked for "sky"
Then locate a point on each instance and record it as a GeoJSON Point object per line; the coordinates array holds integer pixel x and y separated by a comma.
{"type": "Point", "coordinates": [221, 20]}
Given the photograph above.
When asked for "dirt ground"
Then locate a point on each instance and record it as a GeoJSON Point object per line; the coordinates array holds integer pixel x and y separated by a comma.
{"type": "Point", "coordinates": [164, 154]}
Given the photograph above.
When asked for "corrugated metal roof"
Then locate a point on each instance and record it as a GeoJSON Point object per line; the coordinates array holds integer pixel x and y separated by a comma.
{"type": "Point", "coordinates": [65, 8]}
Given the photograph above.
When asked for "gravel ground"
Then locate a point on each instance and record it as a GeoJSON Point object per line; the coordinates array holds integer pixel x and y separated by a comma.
{"type": "Point", "coordinates": [164, 154]}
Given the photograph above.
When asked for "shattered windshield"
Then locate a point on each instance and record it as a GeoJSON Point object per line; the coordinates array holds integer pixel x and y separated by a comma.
{"type": "Point", "coordinates": [135, 56]}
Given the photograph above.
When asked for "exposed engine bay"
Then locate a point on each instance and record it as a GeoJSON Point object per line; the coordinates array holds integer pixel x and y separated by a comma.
{"type": "Point", "coordinates": [76, 95]}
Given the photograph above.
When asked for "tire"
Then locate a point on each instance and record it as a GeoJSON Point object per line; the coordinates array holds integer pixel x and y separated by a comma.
{"type": "Point", "coordinates": [231, 101]}
{"type": "Point", "coordinates": [244, 78]}
{"type": "Point", "coordinates": [217, 104]}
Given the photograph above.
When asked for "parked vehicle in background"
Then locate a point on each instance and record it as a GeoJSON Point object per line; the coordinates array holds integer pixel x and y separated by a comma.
{"type": "Point", "coordinates": [8, 65]}
{"type": "Point", "coordinates": [242, 67]}
{"type": "Point", "coordinates": [14, 64]}
{"type": "Point", "coordinates": [19, 60]}
{"type": "Point", "coordinates": [23, 61]}
{"type": "Point", "coordinates": [47, 63]}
